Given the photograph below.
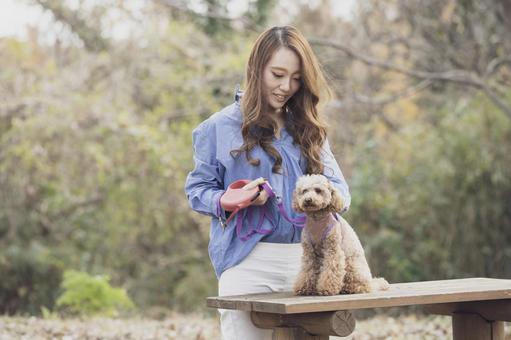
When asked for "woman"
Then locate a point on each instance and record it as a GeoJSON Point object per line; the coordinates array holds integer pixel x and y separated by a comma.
{"type": "Point", "coordinates": [271, 133]}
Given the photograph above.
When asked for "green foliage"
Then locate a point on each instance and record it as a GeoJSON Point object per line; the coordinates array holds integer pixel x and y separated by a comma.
{"type": "Point", "coordinates": [87, 31]}
{"type": "Point", "coordinates": [85, 295]}
{"type": "Point", "coordinates": [30, 278]}
{"type": "Point", "coordinates": [198, 280]}
{"type": "Point", "coordinates": [96, 176]}
{"type": "Point", "coordinates": [260, 10]}
{"type": "Point", "coordinates": [434, 201]}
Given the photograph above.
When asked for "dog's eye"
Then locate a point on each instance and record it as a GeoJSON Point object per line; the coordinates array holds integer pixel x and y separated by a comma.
{"type": "Point", "coordinates": [317, 190]}
{"type": "Point", "coordinates": [304, 191]}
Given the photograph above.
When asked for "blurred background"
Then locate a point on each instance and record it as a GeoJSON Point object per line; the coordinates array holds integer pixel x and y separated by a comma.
{"type": "Point", "coordinates": [98, 100]}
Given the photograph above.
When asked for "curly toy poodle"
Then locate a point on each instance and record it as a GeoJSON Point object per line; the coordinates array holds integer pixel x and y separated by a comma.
{"type": "Point", "coordinates": [333, 260]}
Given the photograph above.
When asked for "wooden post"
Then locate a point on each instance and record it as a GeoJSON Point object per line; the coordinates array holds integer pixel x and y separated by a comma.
{"type": "Point", "coordinates": [476, 319]}
{"type": "Point", "coordinates": [468, 326]}
{"type": "Point", "coordinates": [318, 325]}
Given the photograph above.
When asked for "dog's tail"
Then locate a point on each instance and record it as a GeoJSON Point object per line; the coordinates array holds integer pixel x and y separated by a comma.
{"type": "Point", "coordinates": [379, 283]}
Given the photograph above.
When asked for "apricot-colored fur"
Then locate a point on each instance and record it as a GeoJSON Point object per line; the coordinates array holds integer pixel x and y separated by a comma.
{"type": "Point", "coordinates": [333, 264]}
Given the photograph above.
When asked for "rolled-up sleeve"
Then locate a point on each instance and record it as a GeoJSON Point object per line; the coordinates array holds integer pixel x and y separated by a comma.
{"type": "Point", "coordinates": [204, 184]}
{"type": "Point", "coordinates": [333, 172]}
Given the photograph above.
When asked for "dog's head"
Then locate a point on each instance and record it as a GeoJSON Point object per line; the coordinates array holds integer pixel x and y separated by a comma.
{"type": "Point", "coordinates": [314, 193]}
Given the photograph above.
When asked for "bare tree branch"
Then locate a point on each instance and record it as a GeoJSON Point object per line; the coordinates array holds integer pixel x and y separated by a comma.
{"type": "Point", "coordinates": [98, 198]}
{"type": "Point", "coordinates": [91, 36]}
{"type": "Point", "coordinates": [455, 76]}
{"type": "Point", "coordinates": [407, 92]}
{"type": "Point", "coordinates": [495, 64]}
{"type": "Point", "coordinates": [182, 8]}
{"type": "Point", "coordinates": [458, 76]}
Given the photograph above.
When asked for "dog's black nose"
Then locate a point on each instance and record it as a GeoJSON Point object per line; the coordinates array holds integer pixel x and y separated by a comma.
{"type": "Point", "coordinates": [308, 200]}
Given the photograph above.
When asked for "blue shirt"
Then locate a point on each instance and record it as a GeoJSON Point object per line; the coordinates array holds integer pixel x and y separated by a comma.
{"type": "Point", "coordinates": [215, 169]}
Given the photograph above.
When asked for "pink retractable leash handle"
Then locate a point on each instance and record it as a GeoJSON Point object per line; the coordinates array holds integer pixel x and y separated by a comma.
{"type": "Point", "coordinates": [236, 198]}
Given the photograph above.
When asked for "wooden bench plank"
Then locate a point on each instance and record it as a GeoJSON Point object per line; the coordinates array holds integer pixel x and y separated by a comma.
{"type": "Point", "coordinates": [399, 294]}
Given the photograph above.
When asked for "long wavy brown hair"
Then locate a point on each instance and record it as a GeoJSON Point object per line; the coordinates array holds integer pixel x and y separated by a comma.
{"type": "Point", "coordinates": [302, 119]}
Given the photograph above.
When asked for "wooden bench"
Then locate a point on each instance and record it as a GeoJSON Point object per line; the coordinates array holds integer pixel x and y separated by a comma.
{"type": "Point", "coordinates": [478, 306]}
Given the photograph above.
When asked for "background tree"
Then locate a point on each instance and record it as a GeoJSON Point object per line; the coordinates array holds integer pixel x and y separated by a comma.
{"type": "Point", "coordinates": [422, 183]}
{"type": "Point", "coordinates": [95, 139]}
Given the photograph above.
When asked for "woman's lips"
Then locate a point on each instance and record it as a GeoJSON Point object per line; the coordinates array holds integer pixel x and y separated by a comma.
{"type": "Point", "coordinates": [280, 98]}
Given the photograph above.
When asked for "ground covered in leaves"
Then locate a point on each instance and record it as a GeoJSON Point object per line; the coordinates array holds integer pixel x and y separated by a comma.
{"type": "Point", "coordinates": [200, 327]}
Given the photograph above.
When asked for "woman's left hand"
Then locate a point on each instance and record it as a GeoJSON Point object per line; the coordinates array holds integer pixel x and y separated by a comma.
{"type": "Point", "coordinates": [262, 196]}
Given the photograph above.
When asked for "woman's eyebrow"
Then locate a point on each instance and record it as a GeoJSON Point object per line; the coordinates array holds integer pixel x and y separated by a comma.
{"type": "Point", "coordinates": [282, 69]}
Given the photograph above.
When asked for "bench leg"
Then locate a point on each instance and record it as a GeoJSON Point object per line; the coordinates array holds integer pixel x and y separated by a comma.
{"type": "Point", "coordinates": [317, 326]}
{"type": "Point", "coordinates": [284, 333]}
{"type": "Point", "coordinates": [470, 326]}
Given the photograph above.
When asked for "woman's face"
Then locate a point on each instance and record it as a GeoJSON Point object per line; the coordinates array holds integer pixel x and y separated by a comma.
{"type": "Point", "coordinates": [281, 78]}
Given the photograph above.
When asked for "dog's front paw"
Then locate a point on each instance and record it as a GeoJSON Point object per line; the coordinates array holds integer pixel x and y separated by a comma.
{"type": "Point", "coordinates": [302, 291]}
{"type": "Point", "coordinates": [304, 284]}
{"type": "Point", "coordinates": [305, 290]}
{"type": "Point", "coordinates": [327, 292]}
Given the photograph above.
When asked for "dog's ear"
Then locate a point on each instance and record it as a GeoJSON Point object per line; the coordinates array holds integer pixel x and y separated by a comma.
{"type": "Point", "coordinates": [296, 205]}
{"type": "Point", "coordinates": [337, 202]}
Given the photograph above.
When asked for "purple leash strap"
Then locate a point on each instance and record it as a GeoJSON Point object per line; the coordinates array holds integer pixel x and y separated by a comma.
{"type": "Point", "coordinates": [298, 222]}
{"type": "Point", "coordinates": [258, 229]}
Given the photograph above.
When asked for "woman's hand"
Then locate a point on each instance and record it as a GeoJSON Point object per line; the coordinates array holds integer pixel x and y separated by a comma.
{"type": "Point", "coordinates": [262, 196]}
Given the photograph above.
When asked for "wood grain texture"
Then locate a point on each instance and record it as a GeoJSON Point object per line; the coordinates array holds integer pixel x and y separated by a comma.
{"type": "Point", "coordinates": [467, 326]}
{"type": "Point", "coordinates": [338, 323]}
{"type": "Point", "coordinates": [399, 294]}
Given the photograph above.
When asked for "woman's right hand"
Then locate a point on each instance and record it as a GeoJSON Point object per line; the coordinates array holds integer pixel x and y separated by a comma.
{"type": "Point", "coordinates": [263, 196]}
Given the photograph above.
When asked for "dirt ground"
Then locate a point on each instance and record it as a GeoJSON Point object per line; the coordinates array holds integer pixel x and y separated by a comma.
{"type": "Point", "coordinates": [197, 327]}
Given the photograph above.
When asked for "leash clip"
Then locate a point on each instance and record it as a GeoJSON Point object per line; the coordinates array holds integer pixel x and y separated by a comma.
{"type": "Point", "coordinates": [222, 223]}
{"type": "Point", "coordinates": [278, 198]}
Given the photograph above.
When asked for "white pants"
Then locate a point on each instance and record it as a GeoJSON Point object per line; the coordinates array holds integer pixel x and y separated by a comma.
{"type": "Point", "coordinates": [270, 267]}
